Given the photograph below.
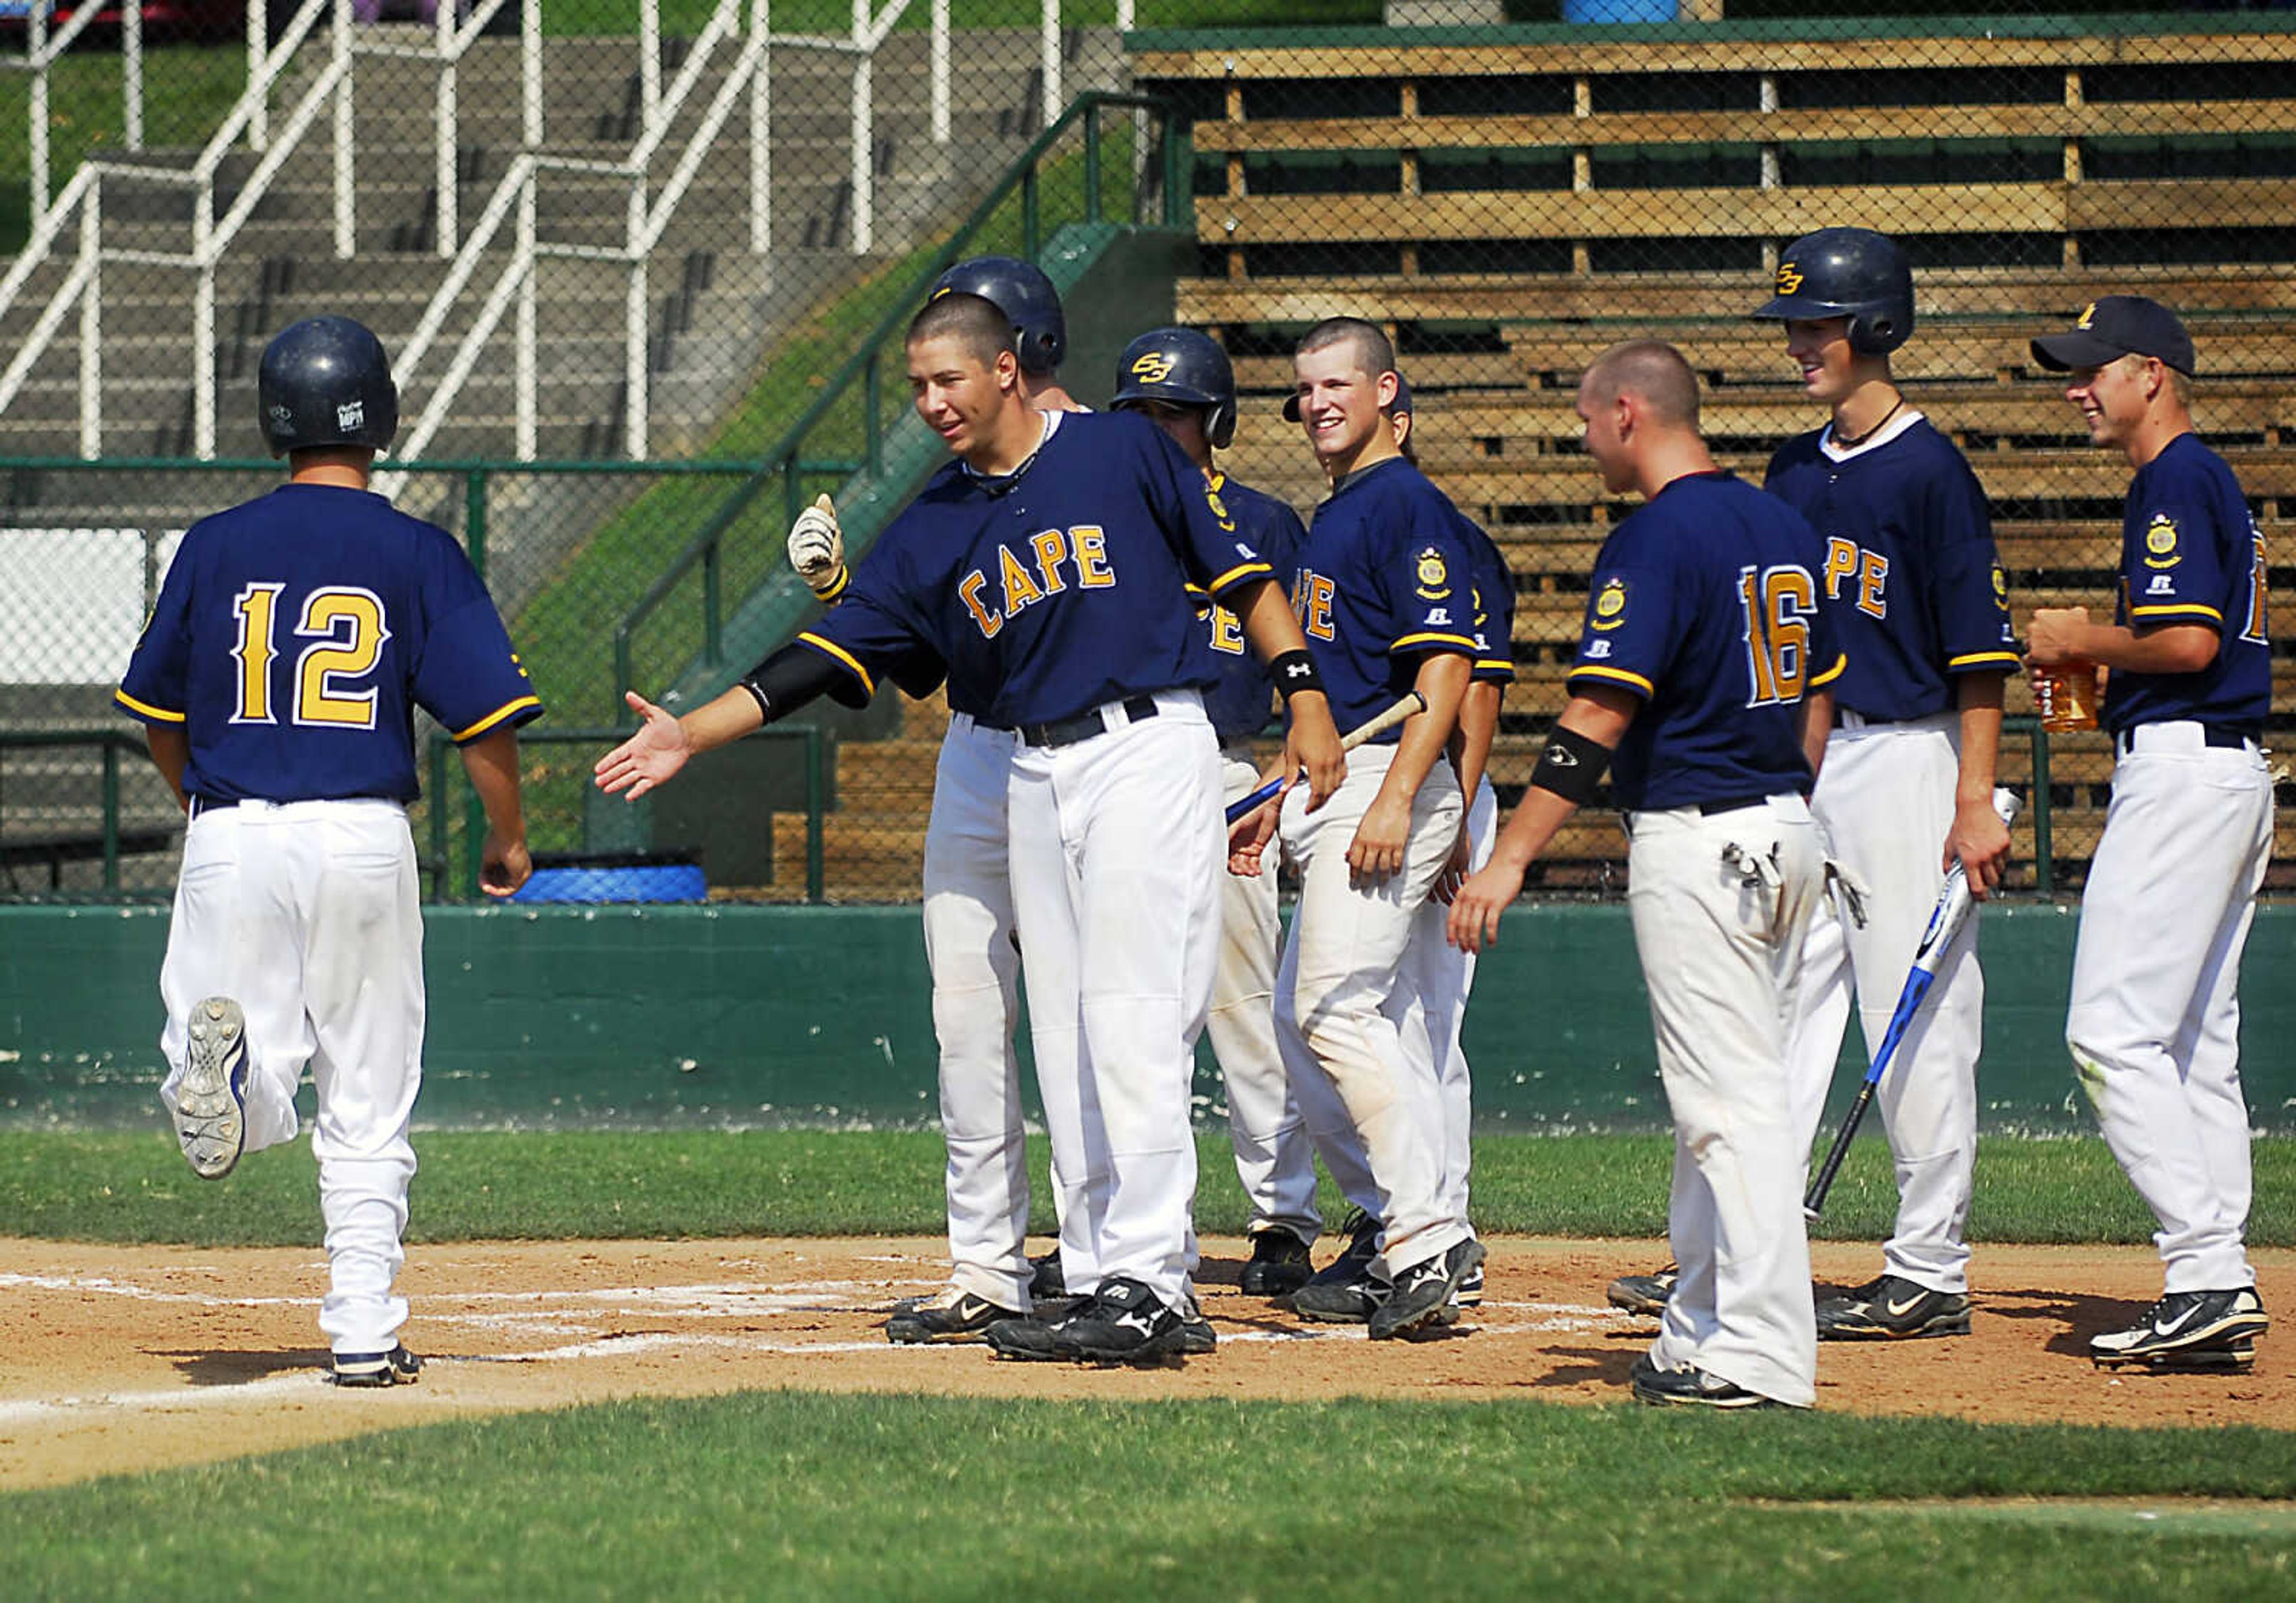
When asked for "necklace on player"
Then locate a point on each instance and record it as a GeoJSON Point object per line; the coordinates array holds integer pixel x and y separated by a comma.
{"type": "Point", "coordinates": [1851, 442]}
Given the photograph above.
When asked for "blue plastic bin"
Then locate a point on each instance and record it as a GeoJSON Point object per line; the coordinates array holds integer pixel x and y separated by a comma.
{"type": "Point", "coordinates": [625, 877]}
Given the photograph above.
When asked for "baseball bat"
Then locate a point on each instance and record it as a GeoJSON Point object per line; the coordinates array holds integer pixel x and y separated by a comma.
{"type": "Point", "coordinates": [1405, 705]}
{"type": "Point", "coordinates": [1946, 920]}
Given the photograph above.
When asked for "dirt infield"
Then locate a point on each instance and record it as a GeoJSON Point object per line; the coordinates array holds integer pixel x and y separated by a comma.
{"type": "Point", "coordinates": [115, 1359]}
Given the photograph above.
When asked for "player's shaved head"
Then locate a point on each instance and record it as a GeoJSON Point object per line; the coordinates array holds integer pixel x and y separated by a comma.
{"type": "Point", "coordinates": [1654, 373]}
{"type": "Point", "coordinates": [980, 330]}
{"type": "Point", "coordinates": [1375, 351]}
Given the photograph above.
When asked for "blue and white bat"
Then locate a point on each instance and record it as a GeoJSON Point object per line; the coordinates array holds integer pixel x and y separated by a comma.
{"type": "Point", "coordinates": [1946, 920]}
{"type": "Point", "coordinates": [1404, 708]}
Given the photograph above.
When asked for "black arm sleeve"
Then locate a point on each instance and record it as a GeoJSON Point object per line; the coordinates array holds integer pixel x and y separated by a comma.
{"type": "Point", "coordinates": [794, 675]}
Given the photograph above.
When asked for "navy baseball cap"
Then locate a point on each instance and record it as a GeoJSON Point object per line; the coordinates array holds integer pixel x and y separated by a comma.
{"type": "Point", "coordinates": [2113, 326]}
{"type": "Point", "coordinates": [1402, 401]}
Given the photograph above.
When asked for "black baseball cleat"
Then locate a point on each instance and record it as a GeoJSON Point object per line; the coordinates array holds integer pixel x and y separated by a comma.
{"type": "Point", "coordinates": [1422, 1298]}
{"type": "Point", "coordinates": [1197, 1336]}
{"type": "Point", "coordinates": [2189, 1330]}
{"type": "Point", "coordinates": [1644, 1294]}
{"type": "Point", "coordinates": [1343, 1291]}
{"type": "Point", "coordinates": [397, 1367]}
{"type": "Point", "coordinates": [1123, 1323]}
{"type": "Point", "coordinates": [1028, 1339]}
{"type": "Point", "coordinates": [1893, 1308]}
{"type": "Point", "coordinates": [1691, 1388]}
{"type": "Point", "coordinates": [954, 1315]}
{"type": "Point", "coordinates": [211, 1095]}
{"type": "Point", "coordinates": [1046, 1280]}
{"type": "Point", "coordinates": [1280, 1263]}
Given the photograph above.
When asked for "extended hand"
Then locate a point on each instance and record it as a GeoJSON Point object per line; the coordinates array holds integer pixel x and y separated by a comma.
{"type": "Point", "coordinates": [1455, 871]}
{"type": "Point", "coordinates": [1475, 910]}
{"type": "Point", "coordinates": [650, 758]}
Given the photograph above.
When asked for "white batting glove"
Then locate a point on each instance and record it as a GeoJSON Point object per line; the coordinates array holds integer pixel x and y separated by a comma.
{"type": "Point", "coordinates": [817, 548]}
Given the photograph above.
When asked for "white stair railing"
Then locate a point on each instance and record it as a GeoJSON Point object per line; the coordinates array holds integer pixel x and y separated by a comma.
{"type": "Point", "coordinates": [211, 237]}
{"type": "Point", "coordinates": [42, 49]}
{"type": "Point", "coordinates": [647, 215]}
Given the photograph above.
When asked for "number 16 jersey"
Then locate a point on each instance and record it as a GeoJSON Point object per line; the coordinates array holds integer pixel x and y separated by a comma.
{"type": "Point", "coordinates": [1708, 604]}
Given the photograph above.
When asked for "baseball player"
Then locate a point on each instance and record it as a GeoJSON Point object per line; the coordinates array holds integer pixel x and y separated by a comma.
{"type": "Point", "coordinates": [1701, 683]}
{"type": "Point", "coordinates": [2155, 1022]}
{"type": "Point", "coordinates": [968, 900]}
{"type": "Point", "coordinates": [1432, 984]}
{"type": "Point", "coordinates": [293, 638]}
{"type": "Point", "coordinates": [1048, 569]}
{"type": "Point", "coordinates": [1181, 381]}
{"type": "Point", "coordinates": [1384, 588]}
{"type": "Point", "coordinates": [1907, 786]}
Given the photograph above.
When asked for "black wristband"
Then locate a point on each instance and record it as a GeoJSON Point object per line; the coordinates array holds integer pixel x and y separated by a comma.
{"type": "Point", "coordinates": [1294, 672]}
{"type": "Point", "coordinates": [1571, 767]}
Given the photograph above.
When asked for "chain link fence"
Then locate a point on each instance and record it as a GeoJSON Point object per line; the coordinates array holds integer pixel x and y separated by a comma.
{"type": "Point", "coordinates": [642, 268]}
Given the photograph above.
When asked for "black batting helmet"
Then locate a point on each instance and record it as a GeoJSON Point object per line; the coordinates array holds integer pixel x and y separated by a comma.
{"type": "Point", "coordinates": [1851, 272]}
{"type": "Point", "coordinates": [1020, 291]}
{"type": "Point", "coordinates": [1186, 368]}
{"type": "Point", "coordinates": [326, 382]}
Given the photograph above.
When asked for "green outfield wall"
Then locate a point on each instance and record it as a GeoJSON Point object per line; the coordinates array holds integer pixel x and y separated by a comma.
{"type": "Point", "coordinates": [572, 1017]}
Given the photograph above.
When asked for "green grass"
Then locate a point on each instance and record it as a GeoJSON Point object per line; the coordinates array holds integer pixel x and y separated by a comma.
{"type": "Point", "coordinates": [791, 1494]}
{"type": "Point", "coordinates": [133, 1188]}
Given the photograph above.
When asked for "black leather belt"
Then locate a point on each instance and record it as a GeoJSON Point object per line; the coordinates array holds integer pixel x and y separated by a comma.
{"type": "Point", "coordinates": [1068, 732]}
{"type": "Point", "coordinates": [2225, 735]}
{"type": "Point", "coordinates": [212, 803]}
{"type": "Point", "coordinates": [1735, 804]}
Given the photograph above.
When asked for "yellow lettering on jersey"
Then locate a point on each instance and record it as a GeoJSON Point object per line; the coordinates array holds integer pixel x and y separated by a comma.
{"type": "Point", "coordinates": [350, 629]}
{"type": "Point", "coordinates": [1777, 605]}
{"type": "Point", "coordinates": [1841, 562]}
{"type": "Point", "coordinates": [969, 591]}
{"type": "Point", "coordinates": [1021, 590]}
{"type": "Point", "coordinates": [1052, 549]}
{"type": "Point", "coordinates": [1311, 603]}
{"type": "Point", "coordinates": [256, 606]}
{"type": "Point", "coordinates": [1091, 543]}
{"type": "Point", "coordinates": [1228, 631]}
{"type": "Point", "coordinates": [1873, 575]}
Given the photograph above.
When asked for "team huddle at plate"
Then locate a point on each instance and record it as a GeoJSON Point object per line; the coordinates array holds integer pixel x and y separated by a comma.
{"type": "Point", "coordinates": [1793, 694]}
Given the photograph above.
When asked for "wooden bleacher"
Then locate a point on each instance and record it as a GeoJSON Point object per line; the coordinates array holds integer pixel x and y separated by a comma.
{"type": "Point", "coordinates": [1511, 207]}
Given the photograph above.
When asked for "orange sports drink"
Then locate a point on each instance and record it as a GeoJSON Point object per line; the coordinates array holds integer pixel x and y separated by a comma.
{"type": "Point", "coordinates": [2066, 697]}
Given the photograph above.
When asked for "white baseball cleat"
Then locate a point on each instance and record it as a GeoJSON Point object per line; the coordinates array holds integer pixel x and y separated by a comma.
{"type": "Point", "coordinates": [211, 1098]}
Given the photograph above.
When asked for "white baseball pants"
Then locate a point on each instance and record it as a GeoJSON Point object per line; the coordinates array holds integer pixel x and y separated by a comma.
{"type": "Point", "coordinates": [1115, 890]}
{"type": "Point", "coordinates": [2154, 1024]}
{"type": "Point", "coordinates": [1340, 1000]}
{"type": "Point", "coordinates": [1274, 1160]}
{"type": "Point", "coordinates": [307, 914]}
{"type": "Point", "coordinates": [968, 918]}
{"type": "Point", "coordinates": [1884, 801]}
{"type": "Point", "coordinates": [1719, 955]}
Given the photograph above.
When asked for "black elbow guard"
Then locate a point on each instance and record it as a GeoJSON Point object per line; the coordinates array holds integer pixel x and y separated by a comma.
{"type": "Point", "coordinates": [1571, 767]}
{"type": "Point", "coordinates": [795, 674]}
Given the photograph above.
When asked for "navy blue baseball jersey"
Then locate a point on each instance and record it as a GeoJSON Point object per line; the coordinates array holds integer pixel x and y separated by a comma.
{"type": "Point", "coordinates": [1909, 555]}
{"type": "Point", "coordinates": [1385, 578]}
{"type": "Point", "coordinates": [1708, 604]}
{"type": "Point", "coordinates": [1243, 700]}
{"type": "Point", "coordinates": [2191, 554]}
{"type": "Point", "coordinates": [1055, 588]}
{"type": "Point", "coordinates": [295, 635]}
